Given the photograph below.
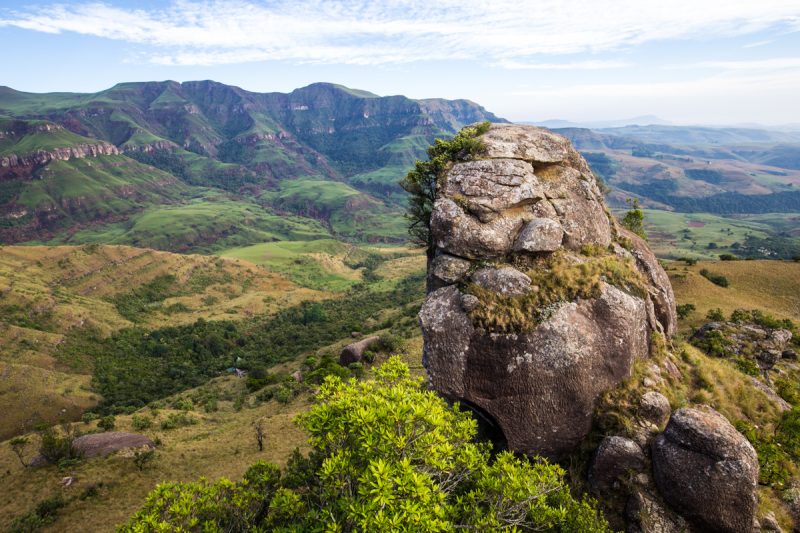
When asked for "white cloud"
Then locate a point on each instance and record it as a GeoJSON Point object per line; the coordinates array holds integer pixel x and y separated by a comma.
{"type": "Point", "coordinates": [503, 32]}
{"type": "Point", "coordinates": [512, 64]}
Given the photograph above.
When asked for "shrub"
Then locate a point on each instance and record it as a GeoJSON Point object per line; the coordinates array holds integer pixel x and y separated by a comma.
{"type": "Point", "coordinates": [107, 423]}
{"type": "Point", "coordinates": [89, 416]}
{"type": "Point", "coordinates": [715, 314]}
{"type": "Point", "coordinates": [684, 310]}
{"type": "Point", "coordinates": [421, 182]}
{"type": "Point", "coordinates": [143, 458]}
{"type": "Point", "coordinates": [386, 455]}
{"type": "Point", "coordinates": [634, 218]}
{"type": "Point", "coordinates": [727, 257]}
{"type": "Point", "coordinates": [57, 447]}
{"type": "Point", "coordinates": [716, 279]}
{"type": "Point", "coordinates": [177, 420]}
{"type": "Point", "coordinates": [44, 514]}
{"type": "Point", "coordinates": [141, 422]}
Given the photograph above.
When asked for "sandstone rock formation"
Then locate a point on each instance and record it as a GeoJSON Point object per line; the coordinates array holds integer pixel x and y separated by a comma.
{"type": "Point", "coordinates": [354, 353]}
{"type": "Point", "coordinates": [538, 302]}
{"type": "Point", "coordinates": [102, 444]}
{"type": "Point", "coordinates": [707, 471]}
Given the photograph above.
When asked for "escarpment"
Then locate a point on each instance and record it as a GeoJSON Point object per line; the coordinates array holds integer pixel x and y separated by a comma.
{"type": "Point", "coordinates": [538, 301]}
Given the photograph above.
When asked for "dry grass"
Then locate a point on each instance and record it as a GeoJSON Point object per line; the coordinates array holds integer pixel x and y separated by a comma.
{"type": "Point", "coordinates": [221, 444]}
{"type": "Point", "coordinates": [48, 290]}
{"type": "Point", "coordinates": [771, 286]}
{"type": "Point", "coordinates": [557, 278]}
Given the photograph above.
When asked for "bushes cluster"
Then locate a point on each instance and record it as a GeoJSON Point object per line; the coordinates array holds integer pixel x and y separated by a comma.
{"type": "Point", "coordinates": [386, 455]}
{"type": "Point", "coordinates": [134, 367]}
{"type": "Point", "coordinates": [45, 513]}
{"type": "Point", "coordinates": [716, 279]}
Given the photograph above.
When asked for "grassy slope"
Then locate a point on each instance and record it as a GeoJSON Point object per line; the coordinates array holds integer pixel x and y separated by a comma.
{"type": "Point", "coordinates": [666, 233]}
{"type": "Point", "coordinates": [348, 212]}
{"type": "Point", "coordinates": [46, 291]}
{"type": "Point", "coordinates": [772, 286]}
{"type": "Point", "coordinates": [205, 223]}
{"type": "Point", "coordinates": [35, 137]}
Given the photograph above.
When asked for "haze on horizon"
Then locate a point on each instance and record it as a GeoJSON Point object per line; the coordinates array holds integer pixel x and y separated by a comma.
{"type": "Point", "coordinates": [687, 62]}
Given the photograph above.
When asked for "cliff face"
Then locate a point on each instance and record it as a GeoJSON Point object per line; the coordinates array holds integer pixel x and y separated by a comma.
{"type": "Point", "coordinates": [538, 301]}
{"type": "Point", "coordinates": [42, 157]}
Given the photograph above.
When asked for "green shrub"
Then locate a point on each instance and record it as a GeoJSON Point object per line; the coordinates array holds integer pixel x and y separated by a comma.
{"type": "Point", "coordinates": [634, 218]}
{"type": "Point", "coordinates": [716, 279]}
{"type": "Point", "coordinates": [141, 422]}
{"type": "Point", "coordinates": [143, 458]}
{"type": "Point", "coordinates": [177, 420]}
{"type": "Point", "coordinates": [386, 455]}
{"type": "Point", "coordinates": [45, 513]}
{"type": "Point", "coordinates": [684, 310]}
{"type": "Point", "coordinates": [715, 314]}
{"type": "Point", "coordinates": [727, 257]}
{"type": "Point", "coordinates": [57, 447]}
{"type": "Point", "coordinates": [107, 423]}
{"type": "Point", "coordinates": [89, 416]}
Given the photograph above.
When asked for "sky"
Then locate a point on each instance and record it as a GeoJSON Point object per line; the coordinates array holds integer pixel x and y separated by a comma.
{"type": "Point", "coordinates": [686, 61]}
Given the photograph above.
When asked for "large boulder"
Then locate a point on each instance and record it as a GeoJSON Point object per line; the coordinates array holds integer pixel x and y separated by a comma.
{"type": "Point", "coordinates": [616, 459]}
{"type": "Point", "coordinates": [535, 307]}
{"type": "Point", "coordinates": [102, 444]}
{"type": "Point", "coordinates": [707, 471]}
{"type": "Point", "coordinates": [354, 353]}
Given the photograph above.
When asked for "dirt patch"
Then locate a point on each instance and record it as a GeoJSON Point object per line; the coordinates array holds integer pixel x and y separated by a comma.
{"type": "Point", "coordinates": [696, 224]}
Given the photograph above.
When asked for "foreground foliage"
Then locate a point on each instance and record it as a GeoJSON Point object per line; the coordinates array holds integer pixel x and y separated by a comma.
{"type": "Point", "coordinates": [387, 455]}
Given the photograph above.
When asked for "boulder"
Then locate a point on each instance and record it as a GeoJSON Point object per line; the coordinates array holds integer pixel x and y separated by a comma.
{"type": "Point", "coordinates": [644, 513]}
{"type": "Point", "coordinates": [539, 235]}
{"type": "Point", "coordinates": [527, 206]}
{"type": "Point", "coordinates": [354, 353]}
{"type": "Point", "coordinates": [506, 280]}
{"type": "Point", "coordinates": [707, 471]}
{"type": "Point", "coordinates": [102, 444]}
{"type": "Point", "coordinates": [449, 269]}
{"type": "Point", "coordinates": [654, 407]}
{"type": "Point", "coordinates": [488, 187]}
{"type": "Point", "coordinates": [614, 460]}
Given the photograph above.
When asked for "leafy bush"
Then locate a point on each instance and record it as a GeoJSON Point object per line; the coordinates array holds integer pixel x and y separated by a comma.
{"type": "Point", "coordinates": [57, 447]}
{"type": "Point", "coordinates": [716, 279]}
{"type": "Point", "coordinates": [421, 182]}
{"type": "Point", "coordinates": [44, 514]}
{"type": "Point", "coordinates": [387, 455]}
{"type": "Point", "coordinates": [141, 422]}
{"type": "Point", "coordinates": [634, 218]}
{"type": "Point", "coordinates": [727, 257]}
{"type": "Point", "coordinates": [715, 314]}
{"type": "Point", "coordinates": [177, 420]}
{"type": "Point", "coordinates": [107, 423]}
{"type": "Point", "coordinates": [684, 310]}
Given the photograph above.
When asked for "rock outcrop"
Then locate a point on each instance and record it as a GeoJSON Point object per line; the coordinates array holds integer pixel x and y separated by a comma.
{"type": "Point", "coordinates": [538, 302]}
{"type": "Point", "coordinates": [707, 471]}
{"type": "Point", "coordinates": [354, 353]}
{"type": "Point", "coordinates": [102, 444]}
{"type": "Point", "coordinates": [42, 157]}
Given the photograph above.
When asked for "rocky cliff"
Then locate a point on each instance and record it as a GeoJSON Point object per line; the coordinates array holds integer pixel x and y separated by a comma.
{"type": "Point", "coordinates": [539, 301]}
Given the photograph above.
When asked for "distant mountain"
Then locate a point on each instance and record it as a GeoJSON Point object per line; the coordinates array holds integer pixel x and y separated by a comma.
{"type": "Point", "coordinates": [640, 120]}
{"type": "Point", "coordinates": [271, 149]}
{"type": "Point", "coordinates": [702, 135]}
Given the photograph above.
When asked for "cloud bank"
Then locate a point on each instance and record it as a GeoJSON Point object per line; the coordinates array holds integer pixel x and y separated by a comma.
{"type": "Point", "coordinates": [506, 34]}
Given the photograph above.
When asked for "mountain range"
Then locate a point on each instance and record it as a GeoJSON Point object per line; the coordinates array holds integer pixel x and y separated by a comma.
{"type": "Point", "coordinates": [323, 160]}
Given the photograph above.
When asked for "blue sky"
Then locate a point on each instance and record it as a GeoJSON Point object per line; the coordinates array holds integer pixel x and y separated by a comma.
{"type": "Point", "coordinates": [686, 61]}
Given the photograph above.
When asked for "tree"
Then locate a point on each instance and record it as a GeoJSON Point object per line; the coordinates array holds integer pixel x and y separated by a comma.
{"type": "Point", "coordinates": [259, 427]}
{"type": "Point", "coordinates": [18, 445]}
{"type": "Point", "coordinates": [386, 455]}
{"type": "Point", "coordinates": [634, 218]}
{"type": "Point", "coordinates": [143, 458]}
{"type": "Point", "coordinates": [421, 183]}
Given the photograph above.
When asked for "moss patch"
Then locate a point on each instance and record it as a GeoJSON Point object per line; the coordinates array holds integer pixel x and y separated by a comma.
{"type": "Point", "coordinates": [554, 279]}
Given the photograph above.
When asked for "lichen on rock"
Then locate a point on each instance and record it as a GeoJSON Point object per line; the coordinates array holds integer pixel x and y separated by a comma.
{"type": "Point", "coordinates": [533, 311]}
